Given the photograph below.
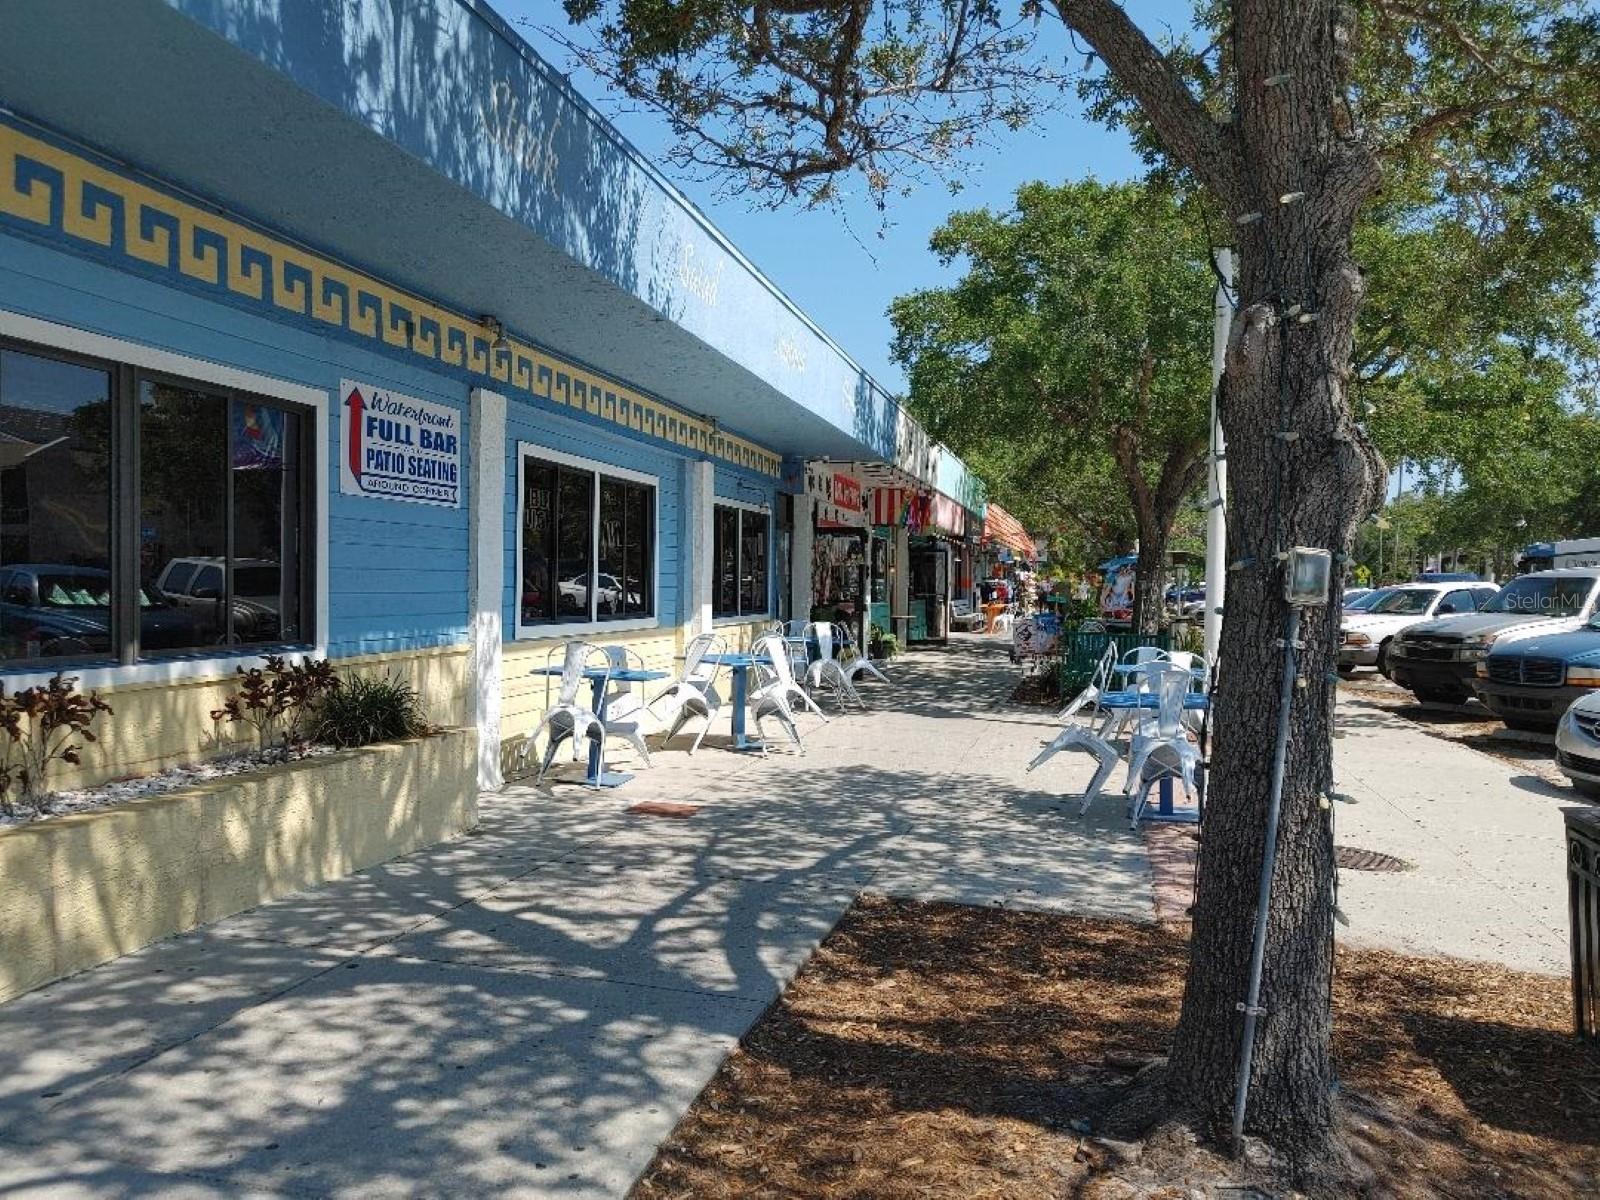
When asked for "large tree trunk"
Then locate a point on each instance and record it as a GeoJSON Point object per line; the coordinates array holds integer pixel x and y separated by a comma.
{"type": "Point", "coordinates": [1149, 581]}
{"type": "Point", "coordinates": [1291, 176]}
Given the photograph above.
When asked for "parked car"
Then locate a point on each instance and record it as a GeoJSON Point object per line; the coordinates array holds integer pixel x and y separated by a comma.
{"type": "Point", "coordinates": [1438, 660]}
{"type": "Point", "coordinates": [1361, 599]}
{"type": "Point", "coordinates": [1366, 636]}
{"type": "Point", "coordinates": [1578, 743]}
{"type": "Point", "coordinates": [54, 611]}
{"type": "Point", "coordinates": [1530, 683]}
{"type": "Point", "coordinates": [198, 583]}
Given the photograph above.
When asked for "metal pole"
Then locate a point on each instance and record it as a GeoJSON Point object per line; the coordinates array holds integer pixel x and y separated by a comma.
{"type": "Point", "coordinates": [1217, 476]}
{"type": "Point", "coordinates": [1251, 1007]}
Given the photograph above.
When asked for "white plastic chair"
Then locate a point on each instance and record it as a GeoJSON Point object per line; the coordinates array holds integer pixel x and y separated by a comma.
{"type": "Point", "coordinates": [771, 698]}
{"type": "Point", "coordinates": [694, 693]}
{"type": "Point", "coordinates": [826, 668]}
{"type": "Point", "coordinates": [1161, 730]}
{"type": "Point", "coordinates": [1078, 737]}
{"type": "Point", "coordinates": [1005, 619]}
{"type": "Point", "coordinates": [626, 713]}
{"type": "Point", "coordinates": [568, 718]}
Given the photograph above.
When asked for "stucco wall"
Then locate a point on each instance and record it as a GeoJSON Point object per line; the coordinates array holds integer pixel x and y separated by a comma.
{"type": "Point", "coordinates": [80, 890]}
{"type": "Point", "coordinates": [160, 725]}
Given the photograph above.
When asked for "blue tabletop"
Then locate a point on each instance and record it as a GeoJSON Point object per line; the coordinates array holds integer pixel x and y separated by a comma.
{"type": "Point", "coordinates": [619, 674]}
{"type": "Point", "coordinates": [734, 659]}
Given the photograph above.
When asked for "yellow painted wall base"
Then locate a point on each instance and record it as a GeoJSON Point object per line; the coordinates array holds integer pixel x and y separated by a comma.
{"type": "Point", "coordinates": [159, 725]}
{"type": "Point", "coordinates": [80, 890]}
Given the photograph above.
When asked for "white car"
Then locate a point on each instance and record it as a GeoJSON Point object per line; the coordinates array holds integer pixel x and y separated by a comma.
{"type": "Point", "coordinates": [1364, 640]}
{"type": "Point", "coordinates": [1578, 744]}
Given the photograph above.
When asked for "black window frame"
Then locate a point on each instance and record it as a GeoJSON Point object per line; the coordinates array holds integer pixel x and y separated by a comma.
{"type": "Point", "coordinates": [598, 473]}
{"type": "Point", "coordinates": [739, 612]}
{"type": "Point", "coordinates": [125, 510]}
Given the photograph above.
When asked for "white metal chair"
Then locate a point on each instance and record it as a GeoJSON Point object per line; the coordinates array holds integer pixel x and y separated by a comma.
{"type": "Point", "coordinates": [1079, 737]}
{"type": "Point", "coordinates": [857, 664]}
{"type": "Point", "coordinates": [568, 717]}
{"type": "Point", "coordinates": [1136, 682]}
{"type": "Point", "coordinates": [1161, 730]}
{"type": "Point", "coordinates": [626, 713]}
{"type": "Point", "coordinates": [693, 693]}
{"type": "Point", "coordinates": [795, 643]}
{"type": "Point", "coordinates": [771, 697]}
{"type": "Point", "coordinates": [1199, 680]}
{"type": "Point", "coordinates": [826, 668]}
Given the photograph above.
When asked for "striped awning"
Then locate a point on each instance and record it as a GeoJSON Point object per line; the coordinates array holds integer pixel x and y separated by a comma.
{"type": "Point", "coordinates": [1000, 528]}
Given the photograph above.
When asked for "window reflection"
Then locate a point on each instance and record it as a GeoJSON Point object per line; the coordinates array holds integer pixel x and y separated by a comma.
{"type": "Point", "coordinates": [55, 508]}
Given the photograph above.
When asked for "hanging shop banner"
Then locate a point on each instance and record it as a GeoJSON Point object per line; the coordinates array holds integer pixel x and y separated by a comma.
{"type": "Point", "coordinates": [841, 501]}
{"type": "Point", "coordinates": [398, 447]}
{"type": "Point", "coordinates": [918, 512]}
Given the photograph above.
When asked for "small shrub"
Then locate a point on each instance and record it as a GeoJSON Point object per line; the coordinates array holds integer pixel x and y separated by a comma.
{"type": "Point", "coordinates": [277, 699]}
{"type": "Point", "coordinates": [883, 644]}
{"type": "Point", "coordinates": [369, 708]}
{"type": "Point", "coordinates": [39, 724]}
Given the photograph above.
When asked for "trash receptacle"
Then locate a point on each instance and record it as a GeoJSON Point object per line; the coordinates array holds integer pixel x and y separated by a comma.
{"type": "Point", "coordinates": [1583, 893]}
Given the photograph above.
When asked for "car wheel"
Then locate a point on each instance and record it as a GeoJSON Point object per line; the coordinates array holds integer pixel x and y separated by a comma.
{"type": "Point", "coordinates": [1585, 788]}
{"type": "Point", "coordinates": [1346, 670]}
{"type": "Point", "coordinates": [1383, 658]}
{"type": "Point", "coordinates": [1440, 695]}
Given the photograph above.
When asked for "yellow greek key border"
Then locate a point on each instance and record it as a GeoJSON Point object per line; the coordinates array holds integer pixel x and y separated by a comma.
{"type": "Point", "coordinates": [52, 188]}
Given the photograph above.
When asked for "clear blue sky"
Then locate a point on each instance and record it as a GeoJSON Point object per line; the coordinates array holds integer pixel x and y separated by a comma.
{"type": "Point", "coordinates": [839, 269]}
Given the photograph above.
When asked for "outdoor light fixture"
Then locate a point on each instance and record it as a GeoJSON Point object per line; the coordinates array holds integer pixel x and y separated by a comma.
{"type": "Point", "coordinates": [499, 343]}
{"type": "Point", "coordinates": [1306, 576]}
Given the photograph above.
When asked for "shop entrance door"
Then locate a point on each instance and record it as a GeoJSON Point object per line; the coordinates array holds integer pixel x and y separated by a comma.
{"type": "Point", "coordinates": [930, 591]}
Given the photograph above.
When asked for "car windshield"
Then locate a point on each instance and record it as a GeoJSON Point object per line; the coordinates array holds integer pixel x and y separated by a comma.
{"type": "Point", "coordinates": [75, 591]}
{"type": "Point", "coordinates": [1549, 596]}
{"type": "Point", "coordinates": [1366, 600]}
{"type": "Point", "coordinates": [1406, 602]}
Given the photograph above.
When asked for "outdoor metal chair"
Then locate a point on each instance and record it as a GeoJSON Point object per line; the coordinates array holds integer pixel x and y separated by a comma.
{"type": "Point", "coordinates": [694, 692]}
{"type": "Point", "coordinates": [568, 717]}
{"type": "Point", "coordinates": [1162, 730]}
{"type": "Point", "coordinates": [771, 698]}
{"type": "Point", "coordinates": [857, 663]}
{"type": "Point", "coordinates": [825, 668]}
{"type": "Point", "coordinates": [626, 713]}
{"type": "Point", "coordinates": [1079, 737]}
{"type": "Point", "coordinates": [1120, 705]}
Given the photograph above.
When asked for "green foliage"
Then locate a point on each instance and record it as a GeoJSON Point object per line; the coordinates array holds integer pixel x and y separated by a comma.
{"type": "Point", "coordinates": [1071, 363]}
{"type": "Point", "coordinates": [369, 708]}
{"type": "Point", "coordinates": [39, 725]}
{"type": "Point", "coordinates": [883, 644]}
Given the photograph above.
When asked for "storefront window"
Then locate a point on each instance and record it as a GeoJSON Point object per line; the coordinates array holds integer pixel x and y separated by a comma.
{"type": "Point", "coordinates": [739, 585]}
{"type": "Point", "coordinates": [587, 543]}
{"type": "Point", "coordinates": [215, 541]}
{"type": "Point", "coordinates": [55, 508]}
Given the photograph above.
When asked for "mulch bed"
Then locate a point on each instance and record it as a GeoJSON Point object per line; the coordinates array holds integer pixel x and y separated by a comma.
{"type": "Point", "coordinates": [938, 1050]}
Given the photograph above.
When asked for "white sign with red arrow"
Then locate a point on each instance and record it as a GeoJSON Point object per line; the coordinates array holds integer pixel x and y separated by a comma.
{"type": "Point", "coordinates": [398, 447]}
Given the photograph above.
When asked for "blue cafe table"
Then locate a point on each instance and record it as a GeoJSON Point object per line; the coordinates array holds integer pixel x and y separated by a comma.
{"type": "Point", "coordinates": [739, 666]}
{"type": "Point", "coordinates": [598, 677]}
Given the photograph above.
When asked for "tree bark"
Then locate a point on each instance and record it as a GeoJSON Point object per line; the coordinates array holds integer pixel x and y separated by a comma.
{"type": "Point", "coordinates": [1299, 473]}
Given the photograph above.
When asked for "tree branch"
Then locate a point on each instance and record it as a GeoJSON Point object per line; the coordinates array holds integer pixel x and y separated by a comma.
{"type": "Point", "coordinates": [1179, 119]}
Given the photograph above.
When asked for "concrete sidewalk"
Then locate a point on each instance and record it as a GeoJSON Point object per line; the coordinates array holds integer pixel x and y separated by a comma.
{"type": "Point", "coordinates": [1484, 834]}
{"type": "Point", "coordinates": [529, 1010]}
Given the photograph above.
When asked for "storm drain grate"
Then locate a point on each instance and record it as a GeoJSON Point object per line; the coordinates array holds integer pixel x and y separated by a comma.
{"type": "Point", "coordinates": [1353, 858]}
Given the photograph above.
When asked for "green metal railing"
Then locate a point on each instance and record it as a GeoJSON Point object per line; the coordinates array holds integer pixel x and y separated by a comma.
{"type": "Point", "coordinates": [1080, 654]}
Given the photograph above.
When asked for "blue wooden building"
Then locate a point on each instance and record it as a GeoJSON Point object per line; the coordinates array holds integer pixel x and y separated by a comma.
{"type": "Point", "coordinates": [350, 327]}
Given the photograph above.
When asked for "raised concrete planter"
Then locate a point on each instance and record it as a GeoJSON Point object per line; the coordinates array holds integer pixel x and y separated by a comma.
{"type": "Point", "coordinates": [83, 889]}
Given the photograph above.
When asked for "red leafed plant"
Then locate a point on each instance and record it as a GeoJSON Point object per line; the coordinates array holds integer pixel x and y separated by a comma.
{"type": "Point", "coordinates": [40, 726]}
{"type": "Point", "coordinates": [274, 700]}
